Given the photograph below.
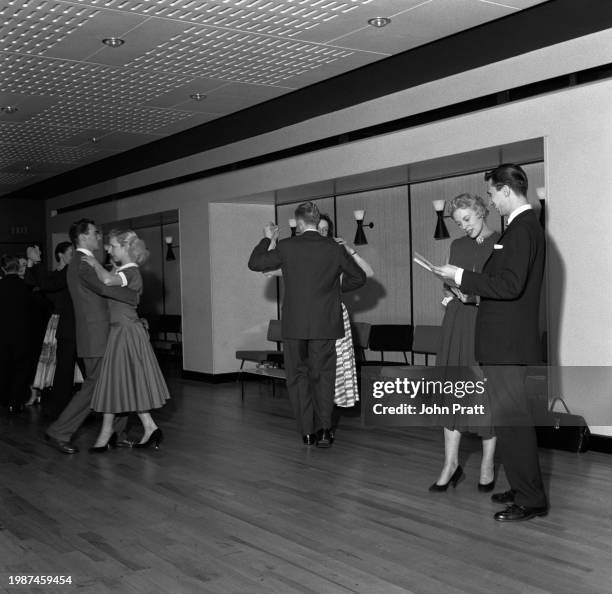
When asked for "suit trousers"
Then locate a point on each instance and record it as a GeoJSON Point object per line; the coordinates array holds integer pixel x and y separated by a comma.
{"type": "Point", "coordinates": [516, 437]}
{"type": "Point", "coordinates": [311, 380]}
{"type": "Point", "coordinates": [79, 407]}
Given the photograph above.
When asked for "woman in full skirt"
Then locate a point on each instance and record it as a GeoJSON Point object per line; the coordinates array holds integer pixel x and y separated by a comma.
{"type": "Point", "coordinates": [130, 379]}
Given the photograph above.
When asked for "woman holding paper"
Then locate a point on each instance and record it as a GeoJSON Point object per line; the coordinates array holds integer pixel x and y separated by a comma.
{"type": "Point", "coordinates": [457, 341]}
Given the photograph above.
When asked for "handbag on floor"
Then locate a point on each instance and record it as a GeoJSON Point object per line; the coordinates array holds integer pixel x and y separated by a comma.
{"type": "Point", "coordinates": [563, 430]}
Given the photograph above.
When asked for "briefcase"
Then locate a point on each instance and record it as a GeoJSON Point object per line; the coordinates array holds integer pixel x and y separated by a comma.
{"type": "Point", "coordinates": [563, 430]}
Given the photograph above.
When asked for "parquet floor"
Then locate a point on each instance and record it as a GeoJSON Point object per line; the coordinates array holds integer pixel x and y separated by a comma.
{"type": "Point", "coordinates": [233, 502]}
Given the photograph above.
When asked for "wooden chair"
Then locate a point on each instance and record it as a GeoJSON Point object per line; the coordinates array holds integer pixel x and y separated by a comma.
{"type": "Point", "coordinates": [274, 358]}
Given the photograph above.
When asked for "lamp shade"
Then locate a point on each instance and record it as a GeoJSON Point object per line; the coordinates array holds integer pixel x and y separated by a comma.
{"type": "Point", "coordinates": [360, 238]}
{"type": "Point", "coordinates": [359, 214]}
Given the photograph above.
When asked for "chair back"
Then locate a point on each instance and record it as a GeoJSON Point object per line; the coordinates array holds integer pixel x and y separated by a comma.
{"type": "Point", "coordinates": [275, 331]}
{"type": "Point", "coordinates": [361, 339]}
{"type": "Point", "coordinates": [391, 338]}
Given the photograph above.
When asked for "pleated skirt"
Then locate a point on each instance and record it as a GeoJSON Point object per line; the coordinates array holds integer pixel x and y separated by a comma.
{"type": "Point", "coordinates": [130, 378]}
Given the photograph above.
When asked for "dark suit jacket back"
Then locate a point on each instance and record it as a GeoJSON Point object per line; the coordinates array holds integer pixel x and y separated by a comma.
{"type": "Point", "coordinates": [507, 325]}
{"type": "Point", "coordinates": [311, 265]}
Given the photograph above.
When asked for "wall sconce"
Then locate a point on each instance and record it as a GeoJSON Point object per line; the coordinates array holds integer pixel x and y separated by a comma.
{"type": "Point", "coordinates": [170, 252]}
{"type": "Point", "coordinates": [360, 238]}
{"type": "Point", "coordinates": [441, 231]}
{"type": "Point", "coordinates": [293, 225]}
{"type": "Point", "coordinates": [541, 192]}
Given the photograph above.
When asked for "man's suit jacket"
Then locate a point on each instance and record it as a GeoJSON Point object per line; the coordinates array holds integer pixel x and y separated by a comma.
{"type": "Point", "coordinates": [90, 300]}
{"type": "Point", "coordinates": [16, 312]}
{"type": "Point", "coordinates": [311, 265]}
{"type": "Point", "coordinates": [507, 329]}
{"type": "Point", "coordinates": [55, 287]}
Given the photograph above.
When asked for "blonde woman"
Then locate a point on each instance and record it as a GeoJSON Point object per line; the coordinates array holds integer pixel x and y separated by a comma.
{"type": "Point", "coordinates": [130, 379]}
{"type": "Point", "coordinates": [457, 344]}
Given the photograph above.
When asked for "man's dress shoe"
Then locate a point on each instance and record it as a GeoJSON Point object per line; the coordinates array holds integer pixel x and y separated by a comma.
{"type": "Point", "coordinates": [62, 446]}
{"type": "Point", "coordinates": [519, 513]}
{"type": "Point", "coordinates": [505, 497]}
{"type": "Point", "coordinates": [309, 439]}
{"type": "Point", "coordinates": [324, 438]}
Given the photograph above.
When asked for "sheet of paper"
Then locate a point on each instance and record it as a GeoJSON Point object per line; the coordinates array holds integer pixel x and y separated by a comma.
{"type": "Point", "coordinates": [422, 261]}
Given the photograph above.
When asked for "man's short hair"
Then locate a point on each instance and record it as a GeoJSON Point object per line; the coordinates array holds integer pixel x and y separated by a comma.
{"type": "Point", "coordinates": [509, 175]}
{"type": "Point", "coordinates": [309, 213]}
{"type": "Point", "coordinates": [80, 227]}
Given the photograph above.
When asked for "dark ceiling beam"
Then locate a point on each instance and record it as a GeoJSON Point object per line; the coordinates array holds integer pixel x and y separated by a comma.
{"type": "Point", "coordinates": [542, 25]}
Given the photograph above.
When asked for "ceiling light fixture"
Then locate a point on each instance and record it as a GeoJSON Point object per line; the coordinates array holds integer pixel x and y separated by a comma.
{"type": "Point", "coordinates": [197, 96]}
{"type": "Point", "coordinates": [93, 139]}
{"type": "Point", "coordinates": [379, 22]}
{"type": "Point", "coordinates": [113, 41]}
{"type": "Point", "coordinates": [27, 168]}
{"type": "Point", "coordinates": [9, 109]}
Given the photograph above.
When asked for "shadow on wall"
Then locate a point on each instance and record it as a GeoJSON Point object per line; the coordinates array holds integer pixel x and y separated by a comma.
{"type": "Point", "coordinates": [556, 295]}
{"type": "Point", "coordinates": [366, 298]}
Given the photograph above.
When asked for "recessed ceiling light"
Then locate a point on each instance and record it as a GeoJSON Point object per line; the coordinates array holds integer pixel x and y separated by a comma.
{"type": "Point", "coordinates": [197, 96]}
{"type": "Point", "coordinates": [9, 109]}
{"type": "Point", "coordinates": [93, 139]}
{"type": "Point", "coordinates": [113, 41]}
{"type": "Point", "coordinates": [379, 22]}
{"type": "Point", "coordinates": [27, 168]}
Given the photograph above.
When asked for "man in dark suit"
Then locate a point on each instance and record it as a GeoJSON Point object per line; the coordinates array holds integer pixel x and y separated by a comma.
{"type": "Point", "coordinates": [507, 336]}
{"type": "Point", "coordinates": [16, 311]}
{"type": "Point", "coordinates": [92, 319]}
{"type": "Point", "coordinates": [315, 271]}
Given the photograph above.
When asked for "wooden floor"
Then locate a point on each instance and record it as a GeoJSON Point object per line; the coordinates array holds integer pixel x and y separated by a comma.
{"type": "Point", "coordinates": [233, 502]}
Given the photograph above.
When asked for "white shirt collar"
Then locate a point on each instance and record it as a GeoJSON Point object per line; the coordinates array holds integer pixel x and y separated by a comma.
{"type": "Point", "coordinates": [128, 265]}
{"type": "Point", "coordinates": [85, 251]}
{"type": "Point", "coordinates": [518, 211]}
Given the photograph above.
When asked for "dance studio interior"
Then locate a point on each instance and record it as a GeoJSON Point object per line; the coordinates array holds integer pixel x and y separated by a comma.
{"type": "Point", "coordinates": [195, 125]}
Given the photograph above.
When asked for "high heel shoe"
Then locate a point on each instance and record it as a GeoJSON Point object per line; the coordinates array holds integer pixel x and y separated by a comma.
{"type": "Point", "coordinates": [486, 487]}
{"type": "Point", "coordinates": [34, 399]}
{"type": "Point", "coordinates": [154, 440]}
{"type": "Point", "coordinates": [111, 443]}
{"type": "Point", "coordinates": [454, 479]}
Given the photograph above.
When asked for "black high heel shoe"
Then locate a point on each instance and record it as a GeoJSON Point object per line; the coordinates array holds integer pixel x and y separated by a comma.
{"type": "Point", "coordinates": [111, 443]}
{"type": "Point", "coordinates": [154, 440]}
{"type": "Point", "coordinates": [454, 479]}
{"type": "Point", "coordinates": [486, 487]}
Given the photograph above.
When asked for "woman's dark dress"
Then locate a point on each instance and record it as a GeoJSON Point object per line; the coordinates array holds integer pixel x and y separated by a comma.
{"type": "Point", "coordinates": [130, 379]}
{"type": "Point", "coordinates": [458, 328]}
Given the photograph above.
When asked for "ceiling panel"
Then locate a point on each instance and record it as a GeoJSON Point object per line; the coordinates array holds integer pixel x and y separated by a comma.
{"type": "Point", "coordinates": [68, 87]}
